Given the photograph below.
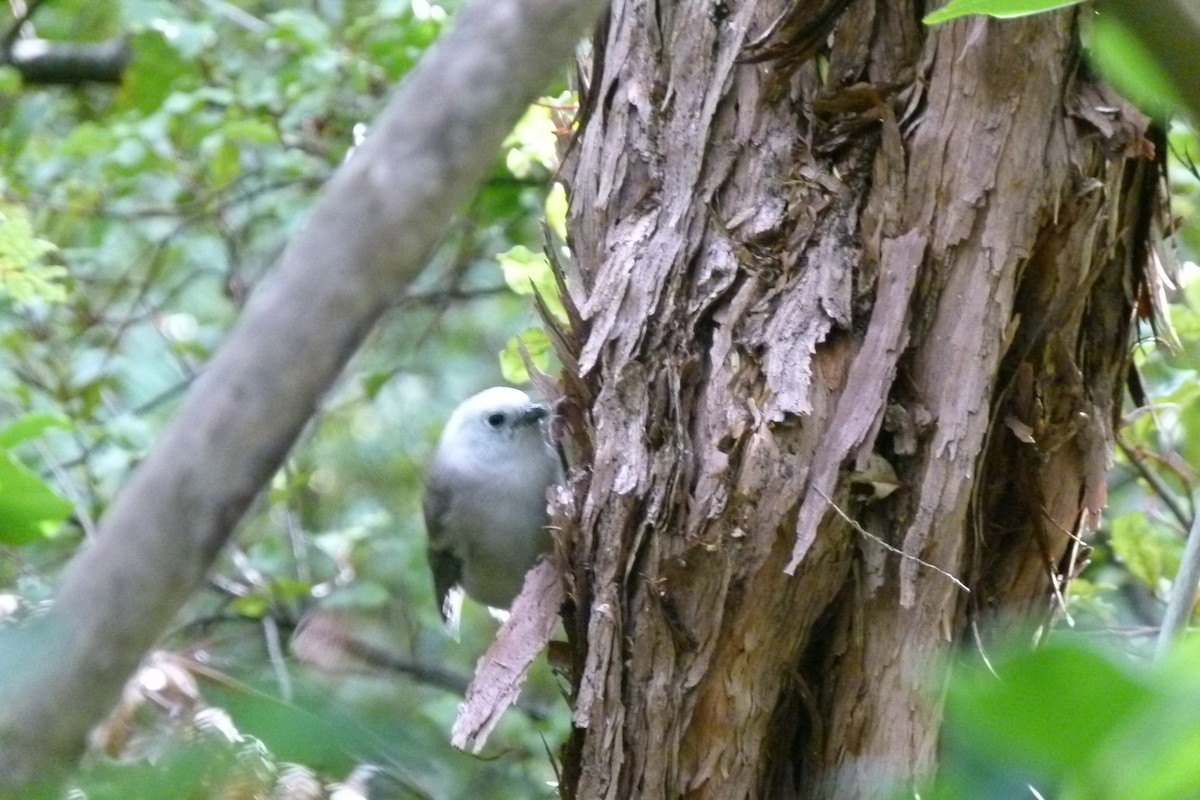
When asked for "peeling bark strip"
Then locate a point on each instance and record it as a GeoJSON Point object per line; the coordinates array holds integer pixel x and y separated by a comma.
{"type": "Point", "coordinates": [502, 669]}
{"type": "Point", "coordinates": [785, 274]}
{"type": "Point", "coordinates": [860, 409]}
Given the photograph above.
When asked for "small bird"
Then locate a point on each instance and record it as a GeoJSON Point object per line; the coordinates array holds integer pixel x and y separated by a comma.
{"type": "Point", "coordinates": [485, 499]}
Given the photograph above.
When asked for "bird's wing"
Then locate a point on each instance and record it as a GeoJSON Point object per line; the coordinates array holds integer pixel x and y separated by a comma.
{"type": "Point", "coordinates": [445, 566]}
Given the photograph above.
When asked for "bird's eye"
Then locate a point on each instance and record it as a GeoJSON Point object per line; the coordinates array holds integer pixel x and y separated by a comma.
{"type": "Point", "coordinates": [495, 420]}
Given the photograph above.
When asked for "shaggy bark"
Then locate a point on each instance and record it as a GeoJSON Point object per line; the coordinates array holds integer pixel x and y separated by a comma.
{"type": "Point", "coordinates": [799, 286]}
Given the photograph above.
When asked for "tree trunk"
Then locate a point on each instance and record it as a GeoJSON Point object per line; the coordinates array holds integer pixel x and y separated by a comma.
{"type": "Point", "coordinates": [822, 252]}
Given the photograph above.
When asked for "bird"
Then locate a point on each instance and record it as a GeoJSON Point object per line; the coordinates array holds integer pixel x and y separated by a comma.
{"type": "Point", "coordinates": [485, 501]}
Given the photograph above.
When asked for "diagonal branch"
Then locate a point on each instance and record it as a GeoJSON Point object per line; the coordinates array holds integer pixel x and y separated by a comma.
{"type": "Point", "coordinates": [23, 15]}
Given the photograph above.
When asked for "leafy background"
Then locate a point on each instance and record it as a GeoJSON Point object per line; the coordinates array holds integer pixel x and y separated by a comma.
{"type": "Point", "coordinates": [166, 200]}
{"type": "Point", "coordinates": [135, 220]}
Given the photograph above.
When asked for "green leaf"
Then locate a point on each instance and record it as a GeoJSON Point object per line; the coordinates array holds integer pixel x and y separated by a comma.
{"type": "Point", "coordinates": [290, 590]}
{"type": "Point", "coordinates": [1149, 551]}
{"type": "Point", "coordinates": [372, 382]}
{"type": "Point", "coordinates": [253, 131]}
{"type": "Point", "coordinates": [224, 165]}
{"type": "Point", "coordinates": [315, 728]}
{"type": "Point", "coordinates": [251, 606]}
{"type": "Point", "coordinates": [87, 139]}
{"type": "Point", "coordinates": [10, 80]}
{"type": "Point", "coordinates": [1188, 423]}
{"type": "Point", "coordinates": [155, 72]}
{"type": "Point", "coordinates": [359, 595]}
{"type": "Point", "coordinates": [556, 210]}
{"type": "Point", "coordinates": [31, 426]}
{"type": "Point", "coordinates": [1131, 67]}
{"type": "Point", "coordinates": [1004, 9]}
{"type": "Point", "coordinates": [501, 200]}
{"type": "Point", "coordinates": [205, 761]}
{"type": "Point", "coordinates": [1155, 758]}
{"type": "Point", "coordinates": [527, 272]}
{"type": "Point", "coordinates": [29, 509]}
{"type": "Point", "coordinates": [538, 345]}
{"type": "Point", "coordinates": [523, 269]}
{"type": "Point", "coordinates": [1052, 711]}
{"type": "Point", "coordinates": [21, 276]}
{"type": "Point", "coordinates": [533, 142]}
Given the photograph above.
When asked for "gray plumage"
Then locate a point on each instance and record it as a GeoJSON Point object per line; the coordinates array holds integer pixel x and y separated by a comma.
{"type": "Point", "coordinates": [485, 498]}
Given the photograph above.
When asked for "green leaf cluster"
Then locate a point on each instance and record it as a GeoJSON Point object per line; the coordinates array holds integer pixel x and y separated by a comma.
{"type": "Point", "coordinates": [23, 279]}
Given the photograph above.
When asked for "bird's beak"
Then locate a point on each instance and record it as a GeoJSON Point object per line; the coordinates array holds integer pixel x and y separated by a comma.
{"type": "Point", "coordinates": [534, 413]}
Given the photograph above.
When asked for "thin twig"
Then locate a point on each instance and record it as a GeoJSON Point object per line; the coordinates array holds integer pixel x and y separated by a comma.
{"type": "Point", "coordinates": [1156, 483]}
{"type": "Point", "coordinates": [275, 654]}
{"type": "Point", "coordinates": [1052, 569]}
{"type": "Point", "coordinates": [889, 547]}
{"type": "Point", "coordinates": [1183, 592]}
{"type": "Point", "coordinates": [987, 662]}
{"type": "Point", "coordinates": [238, 16]}
{"type": "Point", "coordinates": [443, 296]}
{"type": "Point", "coordinates": [294, 534]}
{"type": "Point", "coordinates": [321, 634]}
{"type": "Point", "coordinates": [74, 495]}
{"type": "Point", "coordinates": [87, 449]}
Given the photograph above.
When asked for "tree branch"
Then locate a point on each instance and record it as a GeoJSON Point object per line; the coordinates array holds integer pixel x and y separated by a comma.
{"type": "Point", "coordinates": [68, 63]}
{"type": "Point", "coordinates": [1156, 483]}
{"type": "Point", "coordinates": [1182, 600]}
{"type": "Point", "coordinates": [368, 235]}
{"type": "Point", "coordinates": [23, 15]}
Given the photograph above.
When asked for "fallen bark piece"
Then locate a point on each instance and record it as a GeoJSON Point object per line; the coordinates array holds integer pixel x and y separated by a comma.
{"type": "Point", "coordinates": [502, 669]}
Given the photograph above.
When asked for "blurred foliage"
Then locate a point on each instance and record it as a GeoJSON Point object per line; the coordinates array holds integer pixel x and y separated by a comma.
{"type": "Point", "coordinates": [1129, 65]}
{"type": "Point", "coordinates": [1072, 720]}
{"type": "Point", "coordinates": [29, 508]}
{"type": "Point", "coordinates": [23, 279]}
{"type": "Point", "coordinates": [134, 222]}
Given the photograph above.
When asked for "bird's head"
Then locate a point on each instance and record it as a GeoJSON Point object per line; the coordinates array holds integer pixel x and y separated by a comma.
{"type": "Point", "coordinates": [495, 422]}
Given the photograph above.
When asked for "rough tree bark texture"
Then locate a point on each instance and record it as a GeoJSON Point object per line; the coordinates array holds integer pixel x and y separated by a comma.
{"type": "Point", "coordinates": [916, 252]}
